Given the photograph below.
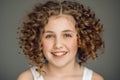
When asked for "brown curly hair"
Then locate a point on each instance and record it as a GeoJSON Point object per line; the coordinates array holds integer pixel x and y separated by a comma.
{"type": "Point", "coordinates": [88, 27]}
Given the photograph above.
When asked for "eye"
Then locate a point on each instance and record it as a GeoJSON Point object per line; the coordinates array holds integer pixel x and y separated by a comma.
{"type": "Point", "coordinates": [49, 36]}
{"type": "Point", "coordinates": [67, 35]}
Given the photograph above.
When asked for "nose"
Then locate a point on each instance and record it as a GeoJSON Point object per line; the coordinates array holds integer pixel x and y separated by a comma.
{"type": "Point", "coordinates": [58, 43]}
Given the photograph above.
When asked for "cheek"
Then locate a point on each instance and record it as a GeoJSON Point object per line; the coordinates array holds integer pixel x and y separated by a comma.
{"type": "Point", "coordinates": [46, 45]}
{"type": "Point", "coordinates": [72, 45]}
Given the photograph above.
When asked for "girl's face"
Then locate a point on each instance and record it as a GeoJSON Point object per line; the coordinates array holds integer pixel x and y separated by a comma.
{"type": "Point", "coordinates": [59, 40]}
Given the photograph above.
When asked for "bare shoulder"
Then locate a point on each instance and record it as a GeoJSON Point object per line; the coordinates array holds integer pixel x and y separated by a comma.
{"type": "Point", "coordinates": [97, 76]}
{"type": "Point", "coordinates": [26, 75]}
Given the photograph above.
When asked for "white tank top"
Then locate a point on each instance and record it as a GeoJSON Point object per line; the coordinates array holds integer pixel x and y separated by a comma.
{"type": "Point", "coordinates": [87, 75]}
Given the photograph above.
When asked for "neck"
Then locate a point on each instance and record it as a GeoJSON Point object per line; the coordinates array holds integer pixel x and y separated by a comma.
{"type": "Point", "coordinates": [62, 70]}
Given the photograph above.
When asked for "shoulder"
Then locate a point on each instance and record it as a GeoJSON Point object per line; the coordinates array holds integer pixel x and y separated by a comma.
{"type": "Point", "coordinates": [97, 76]}
{"type": "Point", "coordinates": [26, 75]}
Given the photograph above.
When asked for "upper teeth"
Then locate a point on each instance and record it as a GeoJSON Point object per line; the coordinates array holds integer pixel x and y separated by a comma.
{"type": "Point", "coordinates": [59, 53]}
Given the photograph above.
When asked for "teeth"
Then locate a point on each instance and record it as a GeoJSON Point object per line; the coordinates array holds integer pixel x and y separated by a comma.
{"type": "Point", "coordinates": [59, 53]}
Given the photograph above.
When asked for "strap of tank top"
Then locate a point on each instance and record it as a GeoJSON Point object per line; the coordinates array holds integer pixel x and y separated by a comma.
{"type": "Point", "coordinates": [87, 75]}
{"type": "Point", "coordinates": [36, 74]}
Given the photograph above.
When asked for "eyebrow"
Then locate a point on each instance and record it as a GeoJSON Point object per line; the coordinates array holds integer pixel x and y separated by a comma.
{"type": "Point", "coordinates": [48, 32]}
{"type": "Point", "coordinates": [68, 31]}
{"type": "Point", "coordinates": [62, 31]}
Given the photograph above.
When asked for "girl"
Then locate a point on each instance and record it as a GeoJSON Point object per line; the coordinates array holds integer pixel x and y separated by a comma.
{"type": "Point", "coordinates": [58, 38]}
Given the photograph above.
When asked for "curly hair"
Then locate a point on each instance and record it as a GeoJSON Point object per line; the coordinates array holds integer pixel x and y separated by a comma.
{"type": "Point", "coordinates": [87, 25]}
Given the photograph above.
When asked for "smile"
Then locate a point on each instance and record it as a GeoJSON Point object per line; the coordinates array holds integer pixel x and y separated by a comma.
{"type": "Point", "coordinates": [60, 53]}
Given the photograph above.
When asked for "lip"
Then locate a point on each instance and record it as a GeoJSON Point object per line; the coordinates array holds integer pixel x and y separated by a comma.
{"type": "Point", "coordinates": [59, 53]}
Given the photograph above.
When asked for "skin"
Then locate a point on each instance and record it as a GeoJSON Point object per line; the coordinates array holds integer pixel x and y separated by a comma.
{"type": "Point", "coordinates": [59, 47]}
{"type": "Point", "coordinates": [60, 34]}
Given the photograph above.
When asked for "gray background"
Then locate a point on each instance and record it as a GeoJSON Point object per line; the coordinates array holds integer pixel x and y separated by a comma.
{"type": "Point", "coordinates": [13, 11]}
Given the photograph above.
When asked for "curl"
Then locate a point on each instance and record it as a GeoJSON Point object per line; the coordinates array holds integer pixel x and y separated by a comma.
{"type": "Point", "coordinates": [88, 28]}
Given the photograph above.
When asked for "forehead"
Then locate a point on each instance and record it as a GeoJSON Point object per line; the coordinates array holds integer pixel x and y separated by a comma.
{"type": "Point", "coordinates": [60, 22]}
{"type": "Point", "coordinates": [63, 17]}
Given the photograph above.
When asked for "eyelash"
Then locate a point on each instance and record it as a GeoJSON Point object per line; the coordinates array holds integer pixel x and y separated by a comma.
{"type": "Point", "coordinates": [67, 35]}
{"type": "Point", "coordinates": [52, 36]}
{"type": "Point", "coordinates": [49, 36]}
